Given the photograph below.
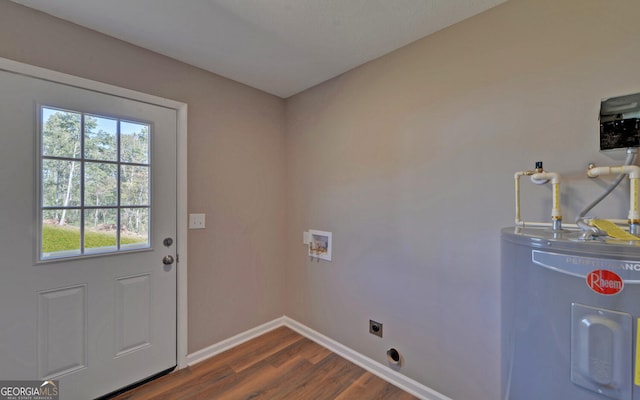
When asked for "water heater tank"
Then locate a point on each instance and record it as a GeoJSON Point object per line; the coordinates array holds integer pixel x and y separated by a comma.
{"type": "Point", "coordinates": [570, 317]}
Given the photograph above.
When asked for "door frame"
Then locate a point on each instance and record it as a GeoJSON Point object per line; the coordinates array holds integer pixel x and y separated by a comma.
{"type": "Point", "coordinates": [181, 188]}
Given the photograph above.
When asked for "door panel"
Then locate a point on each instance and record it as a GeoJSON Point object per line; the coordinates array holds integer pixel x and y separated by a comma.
{"type": "Point", "coordinates": [62, 331]}
{"type": "Point", "coordinates": [94, 323]}
{"type": "Point", "coordinates": [133, 311]}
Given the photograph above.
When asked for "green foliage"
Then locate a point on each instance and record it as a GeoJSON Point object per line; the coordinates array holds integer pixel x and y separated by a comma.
{"type": "Point", "coordinates": [134, 143]}
{"type": "Point", "coordinates": [60, 238]}
{"type": "Point", "coordinates": [61, 133]}
{"type": "Point", "coordinates": [60, 138]}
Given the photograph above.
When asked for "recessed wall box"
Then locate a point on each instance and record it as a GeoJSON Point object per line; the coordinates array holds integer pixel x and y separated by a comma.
{"type": "Point", "coordinates": [319, 244]}
{"type": "Point", "coordinates": [620, 122]}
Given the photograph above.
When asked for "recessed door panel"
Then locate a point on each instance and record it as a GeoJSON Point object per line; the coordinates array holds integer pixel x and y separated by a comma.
{"type": "Point", "coordinates": [62, 331]}
{"type": "Point", "coordinates": [133, 313]}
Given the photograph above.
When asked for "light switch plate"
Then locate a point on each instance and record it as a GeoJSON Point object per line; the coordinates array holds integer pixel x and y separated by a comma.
{"type": "Point", "coordinates": [196, 221]}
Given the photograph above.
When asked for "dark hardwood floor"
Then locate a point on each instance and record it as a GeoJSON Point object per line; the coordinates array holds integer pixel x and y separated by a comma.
{"type": "Point", "coordinates": [280, 364]}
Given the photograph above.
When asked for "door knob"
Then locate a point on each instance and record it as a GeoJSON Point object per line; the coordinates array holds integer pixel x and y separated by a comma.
{"type": "Point", "coordinates": [167, 260]}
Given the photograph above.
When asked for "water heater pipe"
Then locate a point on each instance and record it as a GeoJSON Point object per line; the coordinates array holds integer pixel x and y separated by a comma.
{"type": "Point", "coordinates": [589, 231]}
{"type": "Point", "coordinates": [541, 177]}
{"type": "Point", "coordinates": [556, 214]}
{"type": "Point", "coordinates": [517, 176]}
{"type": "Point", "coordinates": [634, 175]}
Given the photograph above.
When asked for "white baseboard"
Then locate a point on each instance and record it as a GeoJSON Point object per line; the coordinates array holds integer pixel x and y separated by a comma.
{"type": "Point", "coordinates": [233, 341]}
{"type": "Point", "coordinates": [382, 371]}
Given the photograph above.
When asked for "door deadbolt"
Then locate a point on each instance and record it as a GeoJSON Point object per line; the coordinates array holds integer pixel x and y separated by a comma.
{"type": "Point", "coordinates": [167, 242]}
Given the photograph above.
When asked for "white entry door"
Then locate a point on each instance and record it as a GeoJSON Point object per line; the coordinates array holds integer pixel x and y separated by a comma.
{"type": "Point", "coordinates": [96, 312]}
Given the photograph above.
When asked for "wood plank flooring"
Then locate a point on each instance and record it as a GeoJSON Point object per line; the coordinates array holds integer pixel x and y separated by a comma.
{"type": "Point", "coordinates": [280, 364]}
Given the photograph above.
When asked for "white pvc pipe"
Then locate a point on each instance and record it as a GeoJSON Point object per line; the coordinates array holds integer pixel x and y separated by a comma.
{"type": "Point", "coordinates": [517, 176]}
{"type": "Point", "coordinates": [632, 170]}
{"type": "Point", "coordinates": [634, 175]}
{"type": "Point", "coordinates": [539, 177]}
{"type": "Point", "coordinates": [532, 224]}
{"type": "Point", "coordinates": [556, 214]}
{"type": "Point", "coordinates": [634, 211]}
{"type": "Point", "coordinates": [622, 222]}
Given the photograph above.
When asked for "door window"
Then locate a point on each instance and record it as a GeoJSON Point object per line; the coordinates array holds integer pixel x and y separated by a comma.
{"type": "Point", "coordinates": [94, 184]}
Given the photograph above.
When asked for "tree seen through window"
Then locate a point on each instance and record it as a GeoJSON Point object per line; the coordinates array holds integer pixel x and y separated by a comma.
{"type": "Point", "coordinates": [94, 183]}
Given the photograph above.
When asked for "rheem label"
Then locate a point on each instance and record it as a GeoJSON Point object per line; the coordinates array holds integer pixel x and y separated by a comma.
{"type": "Point", "coordinates": [605, 282]}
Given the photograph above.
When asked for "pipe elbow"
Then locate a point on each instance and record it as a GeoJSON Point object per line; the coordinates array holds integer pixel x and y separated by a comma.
{"type": "Point", "coordinates": [588, 231]}
{"type": "Point", "coordinates": [554, 177]}
{"type": "Point", "coordinates": [597, 171]}
{"type": "Point", "coordinates": [633, 171]}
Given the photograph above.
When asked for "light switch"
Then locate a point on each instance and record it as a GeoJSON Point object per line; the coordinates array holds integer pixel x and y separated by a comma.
{"type": "Point", "coordinates": [196, 221]}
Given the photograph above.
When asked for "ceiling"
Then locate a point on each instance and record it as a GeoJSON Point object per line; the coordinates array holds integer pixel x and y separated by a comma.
{"type": "Point", "coordinates": [279, 46]}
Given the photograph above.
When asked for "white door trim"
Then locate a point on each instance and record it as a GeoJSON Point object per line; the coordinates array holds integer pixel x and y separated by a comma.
{"type": "Point", "coordinates": [181, 152]}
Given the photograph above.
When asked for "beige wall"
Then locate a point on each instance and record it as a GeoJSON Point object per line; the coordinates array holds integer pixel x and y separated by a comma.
{"type": "Point", "coordinates": [409, 161]}
{"type": "Point", "coordinates": [235, 165]}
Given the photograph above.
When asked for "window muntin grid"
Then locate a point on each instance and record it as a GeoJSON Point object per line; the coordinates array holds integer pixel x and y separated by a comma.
{"type": "Point", "coordinates": [94, 184]}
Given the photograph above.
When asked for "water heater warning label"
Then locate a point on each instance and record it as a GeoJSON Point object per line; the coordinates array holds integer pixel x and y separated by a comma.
{"type": "Point", "coordinates": [605, 282]}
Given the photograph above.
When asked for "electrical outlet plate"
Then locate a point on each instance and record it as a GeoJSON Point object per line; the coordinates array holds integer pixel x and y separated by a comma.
{"type": "Point", "coordinates": [375, 328]}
